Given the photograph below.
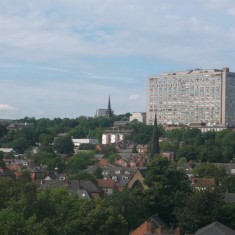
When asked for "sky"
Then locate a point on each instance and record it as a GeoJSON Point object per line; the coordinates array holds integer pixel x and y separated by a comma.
{"type": "Point", "coordinates": [64, 58]}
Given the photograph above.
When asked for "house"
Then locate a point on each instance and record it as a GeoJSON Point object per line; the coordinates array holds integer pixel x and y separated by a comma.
{"type": "Point", "coordinates": [215, 228]}
{"type": "Point", "coordinates": [108, 186]}
{"type": "Point", "coordinates": [122, 184]}
{"type": "Point", "coordinates": [137, 179]}
{"type": "Point", "coordinates": [122, 162]}
{"type": "Point", "coordinates": [169, 155]}
{"type": "Point", "coordinates": [103, 162]}
{"type": "Point", "coordinates": [83, 188]}
{"type": "Point", "coordinates": [202, 183]}
{"type": "Point", "coordinates": [92, 190]}
{"type": "Point", "coordinates": [78, 142]}
{"type": "Point", "coordinates": [154, 226]}
{"type": "Point", "coordinates": [6, 150]}
{"type": "Point", "coordinates": [142, 149]}
{"type": "Point", "coordinates": [17, 126]}
{"type": "Point", "coordinates": [114, 135]}
{"type": "Point", "coordinates": [229, 167]}
{"type": "Point", "coordinates": [7, 173]}
{"type": "Point", "coordinates": [117, 173]}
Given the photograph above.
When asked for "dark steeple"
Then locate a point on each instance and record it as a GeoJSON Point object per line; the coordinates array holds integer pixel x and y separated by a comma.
{"type": "Point", "coordinates": [109, 109]}
{"type": "Point", "coordinates": [155, 149]}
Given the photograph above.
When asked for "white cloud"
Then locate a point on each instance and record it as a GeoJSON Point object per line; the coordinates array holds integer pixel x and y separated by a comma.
{"type": "Point", "coordinates": [6, 107]}
{"type": "Point", "coordinates": [66, 57]}
{"type": "Point", "coordinates": [134, 97]}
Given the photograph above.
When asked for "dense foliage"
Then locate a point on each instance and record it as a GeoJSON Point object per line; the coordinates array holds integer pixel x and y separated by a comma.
{"type": "Point", "coordinates": [26, 210]}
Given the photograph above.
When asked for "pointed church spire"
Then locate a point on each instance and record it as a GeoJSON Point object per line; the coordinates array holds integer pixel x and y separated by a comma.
{"type": "Point", "coordinates": [155, 149]}
{"type": "Point", "coordinates": [109, 109]}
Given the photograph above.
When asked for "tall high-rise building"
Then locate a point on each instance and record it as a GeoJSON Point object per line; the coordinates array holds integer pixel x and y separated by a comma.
{"type": "Point", "coordinates": [193, 96]}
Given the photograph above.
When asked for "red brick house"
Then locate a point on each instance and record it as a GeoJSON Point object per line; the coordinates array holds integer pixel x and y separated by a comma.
{"type": "Point", "coordinates": [154, 226]}
{"type": "Point", "coordinates": [108, 186]}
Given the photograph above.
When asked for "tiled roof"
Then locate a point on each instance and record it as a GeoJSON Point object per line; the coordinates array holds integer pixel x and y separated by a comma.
{"type": "Point", "coordinates": [229, 198]}
{"type": "Point", "coordinates": [215, 228]}
{"type": "Point", "coordinates": [89, 186]}
{"type": "Point", "coordinates": [106, 183]}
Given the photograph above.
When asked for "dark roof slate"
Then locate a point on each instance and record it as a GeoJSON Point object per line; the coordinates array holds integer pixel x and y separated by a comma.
{"type": "Point", "coordinates": [215, 228]}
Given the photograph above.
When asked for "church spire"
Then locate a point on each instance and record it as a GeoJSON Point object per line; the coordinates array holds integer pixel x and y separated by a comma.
{"type": "Point", "coordinates": [109, 109]}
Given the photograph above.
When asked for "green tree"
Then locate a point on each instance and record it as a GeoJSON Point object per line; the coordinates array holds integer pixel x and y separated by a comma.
{"type": "Point", "coordinates": [49, 158]}
{"type": "Point", "coordinates": [190, 152]}
{"type": "Point", "coordinates": [132, 205]}
{"type": "Point", "coordinates": [229, 146]}
{"type": "Point", "coordinates": [226, 215]}
{"type": "Point", "coordinates": [45, 139]}
{"type": "Point", "coordinates": [80, 162]}
{"type": "Point", "coordinates": [209, 153]}
{"type": "Point", "coordinates": [3, 130]}
{"type": "Point", "coordinates": [86, 147]}
{"type": "Point", "coordinates": [134, 149]}
{"type": "Point", "coordinates": [99, 217]}
{"type": "Point", "coordinates": [208, 170]}
{"type": "Point", "coordinates": [2, 163]}
{"type": "Point", "coordinates": [11, 222]}
{"type": "Point", "coordinates": [168, 190]}
{"type": "Point", "coordinates": [20, 145]}
{"type": "Point", "coordinates": [228, 184]}
{"type": "Point", "coordinates": [155, 148]}
{"type": "Point", "coordinates": [201, 209]}
{"type": "Point", "coordinates": [64, 145]}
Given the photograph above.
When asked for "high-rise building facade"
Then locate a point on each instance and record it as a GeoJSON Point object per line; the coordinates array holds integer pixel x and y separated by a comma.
{"type": "Point", "coordinates": [193, 96]}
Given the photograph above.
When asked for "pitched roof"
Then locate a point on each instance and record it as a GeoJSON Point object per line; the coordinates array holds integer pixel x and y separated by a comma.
{"type": "Point", "coordinates": [89, 186]}
{"type": "Point", "coordinates": [215, 228]}
{"type": "Point", "coordinates": [229, 198]}
{"type": "Point", "coordinates": [106, 183]}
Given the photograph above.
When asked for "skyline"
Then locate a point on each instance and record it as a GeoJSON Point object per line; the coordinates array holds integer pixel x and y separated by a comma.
{"type": "Point", "coordinates": [64, 58]}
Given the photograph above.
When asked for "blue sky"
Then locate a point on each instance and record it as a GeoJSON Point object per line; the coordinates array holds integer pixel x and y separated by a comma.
{"type": "Point", "coordinates": [63, 58]}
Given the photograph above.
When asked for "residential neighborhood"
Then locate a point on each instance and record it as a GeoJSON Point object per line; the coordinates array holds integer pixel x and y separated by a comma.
{"type": "Point", "coordinates": [148, 184]}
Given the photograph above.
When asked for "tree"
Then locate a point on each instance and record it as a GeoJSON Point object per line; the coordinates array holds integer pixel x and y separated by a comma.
{"type": "Point", "coordinates": [2, 163]}
{"type": "Point", "coordinates": [49, 158]}
{"type": "Point", "coordinates": [20, 145]}
{"type": "Point", "coordinates": [131, 204]}
{"type": "Point", "coordinates": [226, 215]}
{"type": "Point", "coordinates": [201, 209]}
{"type": "Point", "coordinates": [190, 152]}
{"type": "Point", "coordinates": [3, 130]}
{"type": "Point", "coordinates": [86, 147]}
{"type": "Point", "coordinates": [168, 190]}
{"type": "Point", "coordinates": [229, 146]}
{"type": "Point", "coordinates": [209, 153]}
{"type": "Point", "coordinates": [45, 139]}
{"type": "Point", "coordinates": [156, 169]}
{"type": "Point", "coordinates": [228, 184]}
{"type": "Point", "coordinates": [155, 149]}
{"type": "Point", "coordinates": [134, 149]}
{"type": "Point", "coordinates": [80, 162]}
{"type": "Point", "coordinates": [64, 145]}
{"type": "Point", "coordinates": [208, 170]}
{"type": "Point", "coordinates": [99, 217]}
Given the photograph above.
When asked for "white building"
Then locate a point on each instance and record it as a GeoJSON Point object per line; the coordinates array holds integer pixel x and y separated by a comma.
{"type": "Point", "coordinates": [114, 135]}
{"type": "Point", "coordinates": [139, 116]}
{"type": "Point", "coordinates": [6, 150]}
{"type": "Point", "coordinates": [100, 112]}
{"type": "Point", "coordinates": [192, 96]}
{"type": "Point", "coordinates": [77, 142]}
